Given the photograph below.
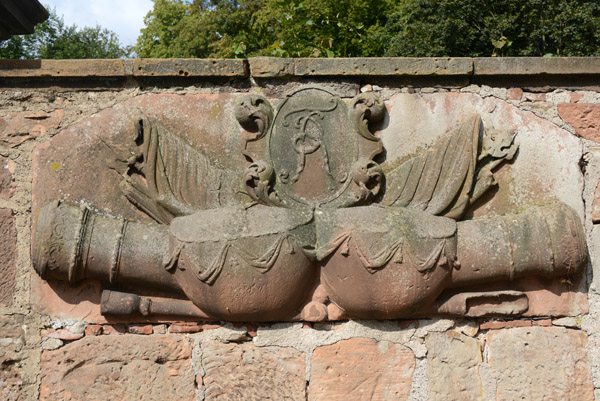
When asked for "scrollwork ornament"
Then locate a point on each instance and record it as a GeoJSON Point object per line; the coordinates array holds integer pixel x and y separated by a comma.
{"type": "Point", "coordinates": [367, 108]}
{"type": "Point", "coordinates": [254, 113]}
{"type": "Point", "coordinates": [367, 177]}
{"type": "Point", "coordinates": [259, 179]}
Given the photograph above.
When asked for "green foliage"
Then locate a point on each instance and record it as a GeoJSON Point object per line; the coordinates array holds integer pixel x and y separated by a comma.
{"type": "Point", "coordinates": [331, 28]}
{"type": "Point", "coordinates": [360, 28]}
{"type": "Point", "coordinates": [242, 28]}
{"type": "Point", "coordinates": [52, 39]}
{"type": "Point", "coordinates": [501, 27]}
{"type": "Point", "coordinates": [176, 28]}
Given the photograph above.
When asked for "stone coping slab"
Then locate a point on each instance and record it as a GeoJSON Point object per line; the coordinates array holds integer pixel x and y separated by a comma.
{"type": "Point", "coordinates": [272, 67]}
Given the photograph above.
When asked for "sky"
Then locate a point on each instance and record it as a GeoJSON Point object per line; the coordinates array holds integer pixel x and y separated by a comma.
{"type": "Point", "coordinates": [124, 17]}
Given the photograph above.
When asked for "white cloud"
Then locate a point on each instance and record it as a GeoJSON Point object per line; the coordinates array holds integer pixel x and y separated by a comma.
{"type": "Point", "coordinates": [124, 17]}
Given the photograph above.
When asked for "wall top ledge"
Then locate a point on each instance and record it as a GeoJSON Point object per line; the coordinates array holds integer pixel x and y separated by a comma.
{"type": "Point", "coordinates": [272, 67]}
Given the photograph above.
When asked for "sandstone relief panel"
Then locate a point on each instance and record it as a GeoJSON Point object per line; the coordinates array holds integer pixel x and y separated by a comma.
{"type": "Point", "coordinates": [311, 207]}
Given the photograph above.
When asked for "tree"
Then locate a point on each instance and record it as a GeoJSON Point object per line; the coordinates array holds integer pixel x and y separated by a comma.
{"type": "Point", "coordinates": [213, 28]}
{"type": "Point", "coordinates": [501, 27]}
{"type": "Point", "coordinates": [331, 28]}
{"type": "Point", "coordinates": [360, 28]}
{"type": "Point", "coordinates": [239, 28]}
{"type": "Point", "coordinates": [53, 39]}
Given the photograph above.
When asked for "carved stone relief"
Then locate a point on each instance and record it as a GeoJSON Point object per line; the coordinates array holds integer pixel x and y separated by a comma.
{"type": "Point", "coordinates": [305, 217]}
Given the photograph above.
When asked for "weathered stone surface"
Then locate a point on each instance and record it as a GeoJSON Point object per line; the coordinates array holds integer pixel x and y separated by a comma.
{"type": "Point", "coordinates": [262, 67]}
{"type": "Point", "coordinates": [536, 65]}
{"type": "Point", "coordinates": [7, 185]}
{"type": "Point", "coordinates": [11, 327]}
{"type": "Point", "coordinates": [333, 67]}
{"type": "Point", "coordinates": [17, 127]}
{"type": "Point", "coordinates": [8, 256]}
{"type": "Point", "coordinates": [540, 363]}
{"type": "Point", "coordinates": [545, 168]}
{"type": "Point", "coordinates": [190, 67]}
{"type": "Point", "coordinates": [583, 117]}
{"type": "Point", "coordinates": [63, 334]}
{"type": "Point", "coordinates": [245, 372]}
{"type": "Point", "coordinates": [61, 68]}
{"type": "Point", "coordinates": [361, 369]}
{"type": "Point", "coordinates": [453, 363]}
{"type": "Point", "coordinates": [278, 67]}
{"type": "Point", "coordinates": [502, 324]}
{"type": "Point", "coordinates": [558, 297]}
{"type": "Point", "coordinates": [514, 94]}
{"type": "Point", "coordinates": [11, 383]}
{"type": "Point", "coordinates": [90, 152]}
{"type": "Point", "coordinates": [119, 368]}
{"type": "Point", "coordinates": [596, 205]}
{"type": "Point", "coordinates": [383, 66]}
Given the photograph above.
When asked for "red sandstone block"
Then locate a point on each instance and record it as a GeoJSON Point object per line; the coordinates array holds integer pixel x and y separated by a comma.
{"type": "Point", "coordinates": [17, 127]}
{"type": "Point", "coordinates": [583, 117]}
{"type": "Point", "coordinates": [8, 256]}
{"type": "Point", "coordinates": [119, 368]}
{"type": "Point", "coordinates": [540, 363]}
{"type": "Point", "coordinates": [243, 371]}
{"type": "Point", "coordinates": [361, 369]}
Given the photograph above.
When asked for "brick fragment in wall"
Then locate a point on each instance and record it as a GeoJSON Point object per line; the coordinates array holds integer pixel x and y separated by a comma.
{"type": "Point", "coordinates": [361, 369]}
{"type": "Point", "coordinates": [453, 363]}
{"type": "Point", "coordinates": [128, 367]}
{"type": "Point", "coordinates": [185, 327]}
{"type": "Point", "coordinates": [8, 256]}
{"type": "Point", "coordinates": [583, 117]}
{"type": "Point", "coordinates": [18, 127]}
{"type": "Point", "coordinates": [540, 363]}
{"type": "Point", "coordinates": [244, 372]}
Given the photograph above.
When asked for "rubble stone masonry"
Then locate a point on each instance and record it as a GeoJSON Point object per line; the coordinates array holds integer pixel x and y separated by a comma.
{"type": "Point", "coordinates": [55, 344]}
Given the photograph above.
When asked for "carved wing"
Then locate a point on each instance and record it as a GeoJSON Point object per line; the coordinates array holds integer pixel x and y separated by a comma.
{"type": "Point", "coordinates": [439, 180]}
{"type": "Point", "coordinates": [177, 179]}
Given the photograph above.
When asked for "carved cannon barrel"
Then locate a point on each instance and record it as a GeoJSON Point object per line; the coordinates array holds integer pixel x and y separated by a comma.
{"type": "Point", "coordinates": [74, 243]}
{"type": "Point", "coordinates": [543, 241]}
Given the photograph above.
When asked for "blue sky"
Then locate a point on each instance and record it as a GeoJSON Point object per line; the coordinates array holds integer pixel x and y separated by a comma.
{"type": "Point", "coordinates": [124, 17]}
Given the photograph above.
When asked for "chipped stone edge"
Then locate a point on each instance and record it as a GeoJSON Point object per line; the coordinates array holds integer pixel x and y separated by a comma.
{"type": "Point", "coordinates": [273, 67]}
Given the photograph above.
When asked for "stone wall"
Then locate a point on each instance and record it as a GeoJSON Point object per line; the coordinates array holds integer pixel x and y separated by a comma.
{"type": "Point", "coordinates": [55, 345]}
